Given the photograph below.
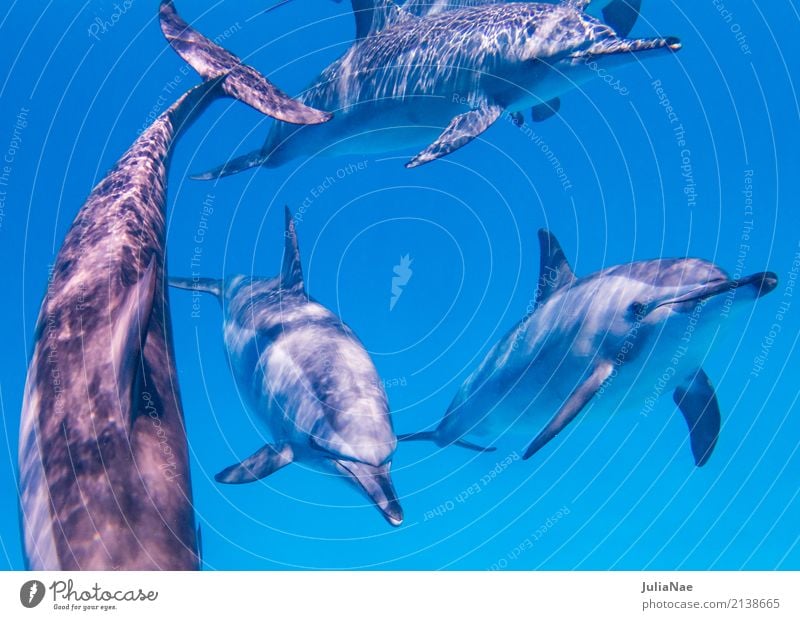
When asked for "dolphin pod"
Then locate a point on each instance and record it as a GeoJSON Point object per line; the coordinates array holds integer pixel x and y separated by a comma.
{"type": "Point", "coordinates": [103, 460]}
{"type": "Point", "coordinates": [309, 378]}
{"type": "Point", "coordinates": [103, 457]}
{"type": "Point", "coordinates": [442, 77]}
{"type": "Point", "coordinates": [606, 340]}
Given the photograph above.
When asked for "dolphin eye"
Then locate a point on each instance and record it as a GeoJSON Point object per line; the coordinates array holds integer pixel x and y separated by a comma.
{"type": "Point", "coordinates": [637, 311]}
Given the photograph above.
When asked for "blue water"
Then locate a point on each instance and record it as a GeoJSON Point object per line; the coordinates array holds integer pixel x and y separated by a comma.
{"type": "Point", "coordinates": [618, 493]}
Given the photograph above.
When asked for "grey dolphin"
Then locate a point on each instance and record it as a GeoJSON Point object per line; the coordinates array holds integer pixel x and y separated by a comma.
{"type": "Point", "coordinates": [604, 339]}
{"type": "Point", "coordinates": [621, 15]}
{"type": "Point", "coordinates": [309, 378]}
{"type": "Point", "coordinates": [103, 458]}
{"type": "Point", "coordinates": [406, 77]}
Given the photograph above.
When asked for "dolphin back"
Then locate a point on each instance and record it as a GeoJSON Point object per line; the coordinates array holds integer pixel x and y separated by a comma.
{"type": "Point", "coordinates": [103, 457]}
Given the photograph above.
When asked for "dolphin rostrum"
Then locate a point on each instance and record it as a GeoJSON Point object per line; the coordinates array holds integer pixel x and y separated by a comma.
{"type": "Point", "coordinates": [613, 339]}
{"type": "Point", "coordinates": [103, 457]}
{"type": "Point", "coordinates": [309, 378]}
{"type": "Point", "coordinates": [443, 79]}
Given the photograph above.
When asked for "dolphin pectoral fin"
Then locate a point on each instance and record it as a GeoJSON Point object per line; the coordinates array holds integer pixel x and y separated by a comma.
{"type": "Point", "coordinates": [254, 159]}
{"type": "Point", "coordinates": [203, 285]}
{"type": "Point", "coordinates": [376, 482]}
{"type": "Point", "coordinates": [698, 402]}
{"type": "Point", "coordinates": [570, 409]}
{"type": "Point", "coordinates": [433, 436]}
{"type": "Point", "coordinates": [462, 129]}
{"type": "Point", "coordinates": [546, 110]}
{"type": "Point", "coordinates": [266, 461]}
{"type": "Point", "coordinates": [621, 15]}
{"type": "Point", "coordinates": [129, 330]}
{"type": "Point", "coordinates": [468, 445]}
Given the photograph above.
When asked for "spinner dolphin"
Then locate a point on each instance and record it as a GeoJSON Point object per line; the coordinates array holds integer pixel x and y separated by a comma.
{"type": "Point", "coordinates": [621, 15]}
{"type": "Point", "coordinates": [406, 77]}
{"type": "Point", "coordinates": [103, 457]}
{"type": "Point", "coordinates": [309, 378]}
{"type": "Point", "coordinates": [604, 340]}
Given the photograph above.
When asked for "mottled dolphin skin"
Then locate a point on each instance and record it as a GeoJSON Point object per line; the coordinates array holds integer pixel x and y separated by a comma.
{"type": "Point", "coordinates": [621, 15]}
{"type": "Point", "coordinates": [309, 378]}
{"type": "Point", "coordinates": [407, 77]}
{"type": "Point", "coordinates": [611, 339]}
{"type": "Point", "coordinates": [103, 457]}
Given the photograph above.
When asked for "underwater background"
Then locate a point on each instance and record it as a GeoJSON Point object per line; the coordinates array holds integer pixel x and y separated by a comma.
{"type": "Point", "coordinates": [613, 176]}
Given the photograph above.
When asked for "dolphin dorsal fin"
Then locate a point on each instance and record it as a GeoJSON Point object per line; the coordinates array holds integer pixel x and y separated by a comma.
{"type": "Point", "coordinates": [374, 15]}
{"type": "Point", "coordinates": [292, 271]}
{"type": "Point", "coordinates": [554, 269]}
{"type": "Point", "coordinates": [621, 15]}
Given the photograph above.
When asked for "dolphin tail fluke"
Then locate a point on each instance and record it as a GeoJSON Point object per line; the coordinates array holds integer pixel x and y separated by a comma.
{"type": "Point", "coordinates": [236, 79]}
{"type": "Point", "coordinates": [204, 285]}
{"type": "Point", "coordinates": [432, 436]}
{"type": "Point", "coordinates": [435, 437]}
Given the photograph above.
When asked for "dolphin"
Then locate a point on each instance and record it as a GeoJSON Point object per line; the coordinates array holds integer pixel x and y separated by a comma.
{"type": "Point", "coordinates": [443, 79]}
{"type": "Point", "coordinates": [621, 15]}
{"type": "Point", "coordinates": [103, 458]}
{"type": "Point", "coordinates": [309, 378]}
{"type": "Point", "coordinates": [612, 339]}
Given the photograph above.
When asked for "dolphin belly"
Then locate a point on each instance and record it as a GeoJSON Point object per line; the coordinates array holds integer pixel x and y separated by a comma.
{"type": "Point", "coordinates": [366, 129]}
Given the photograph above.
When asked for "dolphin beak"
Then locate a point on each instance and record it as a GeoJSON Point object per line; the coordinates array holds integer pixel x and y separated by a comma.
{"type": "Point", "coordinates": [765, 282]}
{"type": "Point", "coordinates": [376, 483]}
{"type": "Point", "coordinates": [613, 45]}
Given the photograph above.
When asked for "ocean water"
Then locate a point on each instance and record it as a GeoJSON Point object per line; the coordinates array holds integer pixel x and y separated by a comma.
{"type": "Point", "coordinates": [614, 176]}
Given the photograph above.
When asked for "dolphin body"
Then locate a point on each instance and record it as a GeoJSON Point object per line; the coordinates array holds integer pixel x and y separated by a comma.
{"type": "Point", "coordinates": [608, 339]}
{"type": "Point", "coordinates": [309, 378]}
{"type": "Point", "coordinates": [408, 76]}
{"type": "Point", "coordinates": [621, 15]}
{"type": "Point", "coordinates": [103, 458]}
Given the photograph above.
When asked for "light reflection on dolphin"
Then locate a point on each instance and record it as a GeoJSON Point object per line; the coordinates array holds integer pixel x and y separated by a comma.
{"type": "Point", "coordinates": [103, 459]}
{"type": "Point", "coordinates": [442, 79]}
{"type": "Point", "coordinates": [610, 340]}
